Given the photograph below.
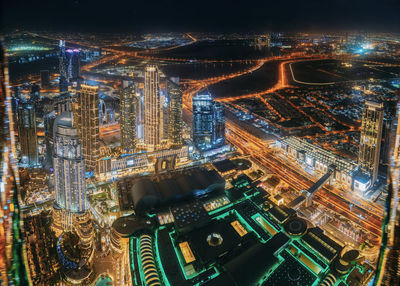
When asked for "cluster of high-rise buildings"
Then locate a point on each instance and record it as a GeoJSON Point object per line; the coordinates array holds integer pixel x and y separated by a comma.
{"type": "Point", "coordinates": [151, 137]}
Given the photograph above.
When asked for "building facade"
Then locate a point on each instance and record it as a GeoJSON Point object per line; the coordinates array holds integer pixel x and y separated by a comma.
{"type": "Point", "coordinates": [74, 64]}
{"type": "Point", "coordinates": [174, 114]}
{"type": "Point", "coordinates": [69, 167]}
{"type": "Point", "coordinates": [128, 105]}
{"type": "Point", "coordinates": [152, 109]}
{"type": "Point", "coordinates": [218, 125]}
{"type": "Point", "coordinates": [63, 67]}
{"type": "Point", "coordinates": [318, 160]}
{"type": "Point", "coordinates": [87, 112]}
{"type": "Point", "coordinates": [27, 134]}
{"type": "Point", "coordinates": [208, 122]}
{"type": "Point", "coordinates": [370, 138]}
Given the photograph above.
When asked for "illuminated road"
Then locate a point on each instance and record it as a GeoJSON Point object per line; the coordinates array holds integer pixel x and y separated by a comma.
{"type": "Point", "coordinates": [366, 215]}
{"type": "Point", "coordinates": [332, 198]}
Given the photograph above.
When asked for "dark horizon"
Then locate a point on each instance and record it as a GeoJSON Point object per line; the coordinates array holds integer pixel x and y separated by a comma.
{"type": "Point", "coordinates": [204, 16]}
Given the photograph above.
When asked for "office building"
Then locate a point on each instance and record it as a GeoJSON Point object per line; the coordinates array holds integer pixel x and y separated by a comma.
{"type": "Point", "coordinates": [63, 67]}
{"type": "Point", "coordinates": [218, 125]}
{"type": "Point", "coordinates": [318, 160]}
{"type": "Point", "coordinates": [128, 105]}
{"type": "Point", "coordinates": [44, 78]}
{"type": "Point", "coordinates": [27, 134]}
{"type": "Point", "coordinates": [73, 64]}
{"type": "Point", "coordinates": [152, 109]}
{"type": "Point", "coordinates": [208, 122]}
{"type": "Point", "coordinates": [174, 126]}
{"type": "Point", "coordinates": [203, 116]}
{"type": "Point", "coordinates": [370, 139]}
{"type": "Point", "coordinates": [87, 112]}
{"type": "Point", "coordinates": [49, 119]}
{"type": "Point", "coordinates": [68, 165]}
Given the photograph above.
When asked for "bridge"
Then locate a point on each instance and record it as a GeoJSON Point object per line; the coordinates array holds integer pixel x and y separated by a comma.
{"type": "Point", "coordinates": [307, 195]}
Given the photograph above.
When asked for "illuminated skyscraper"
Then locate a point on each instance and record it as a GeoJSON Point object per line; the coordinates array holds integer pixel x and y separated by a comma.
{"type": "Point", "coordinates": [87, 111]}
{"type": "Point", "coordinates": [370, 138]}
{"type": "Point", "coordinates": [174, 114]}
{"type": "Point", "coordinates": [73, 64]}
{"type": "Point", "coordinates": [69, 169]}
{"type": "Point", "coordinates": [203, 120]}
{"type": "Point", "coordinates": [63, 67]}
{"type": "Point", "coordinates": [218, 125]}
{"type": "Point", "coordinates": [27, 134]}
{"type": "Point", "coordinates": [128, 119]}
{"type": "Point", "coordinates": [152, 109]}
{"type": "Point", "coordinates": [49, 138]}
{"type": "Point", "coordinates": [208, 122]}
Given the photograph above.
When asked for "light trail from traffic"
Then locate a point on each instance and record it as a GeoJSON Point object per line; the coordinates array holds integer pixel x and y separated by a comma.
{"type": "Point", "coordinates": [368, 216]}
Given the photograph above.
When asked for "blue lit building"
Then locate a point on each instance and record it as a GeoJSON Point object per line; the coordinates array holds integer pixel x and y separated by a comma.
{"type": "Point", "coordinates": [208, 122]}
{"type": "Point", "coordinates": [63, 67]}
{"type": "Point", "coordinates": [69, 167]}
{"type": "Point", "coordinates": [73, 60]}
{"type": "Point", "coordinates": [69, 66]}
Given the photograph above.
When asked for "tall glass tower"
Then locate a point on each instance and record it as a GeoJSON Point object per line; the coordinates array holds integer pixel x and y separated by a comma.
{"type": "Point", "coordinates": [370, 138]}
{"type": "Point", "coordinates": [68, 165]}
{"type": "Point", "coordinates": [73, 64]}
{"type": "Point", "coordinates": [218, 125]}
{"type": "Point", "coordinates": [203, 117]}
{"type": "Point", "coordinates": [128, 101]}
{"type": "Point", "coordinates": [174, 128]}
{"type": "Point", "coordinates": [152, 109]}
{"type": "Point", "coordinates": [208, 122]}
{"type": "Point", "coordinates": [87, 111]}
{"type": "Point", "coordinates": [63, 67]}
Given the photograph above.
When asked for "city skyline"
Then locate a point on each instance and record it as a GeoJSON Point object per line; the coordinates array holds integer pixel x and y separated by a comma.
{"type": "Point", "coordinates": [200, 158]}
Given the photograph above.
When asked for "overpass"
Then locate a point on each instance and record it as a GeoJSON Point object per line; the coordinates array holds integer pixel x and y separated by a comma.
{"type": "Point", "coordinates": [307, 195]}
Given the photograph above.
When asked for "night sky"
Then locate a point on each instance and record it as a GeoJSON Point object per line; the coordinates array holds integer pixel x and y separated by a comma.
{"type": "Point", "coordinates": [202, 15]}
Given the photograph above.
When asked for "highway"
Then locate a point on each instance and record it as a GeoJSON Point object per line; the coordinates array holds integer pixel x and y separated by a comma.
{"type": "Point", "coordinates": [366, 215]}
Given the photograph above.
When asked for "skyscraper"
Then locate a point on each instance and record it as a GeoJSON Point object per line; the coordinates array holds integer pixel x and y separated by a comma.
{"type": "Point", "coordinates": [128, 103]}
{"type": "Point", "coordinates": [152, 109]}
{"type": "Point", "coordinates": [73, 64]}
{"type": "Point", "coordinates": [63, 67]}
{"type": "Point", "coordinates": [208, 122]}
{"type": "Point", "coordinates": [203, 113]}
{"type": "Point", "coordinates": [87, 111]}
{"type": "Point", "coordinates": [174, 114]}
{"type": "Point", "coordinates": [370, 138]}
{"type": "Point", "coordinates": [218, 125]}
{"type": "Point", "coordinates": [49, 119]}
{"type": "Point", "coordinates": [68, 165]}
{"type": "Point", "coordinates": [27, 134]}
